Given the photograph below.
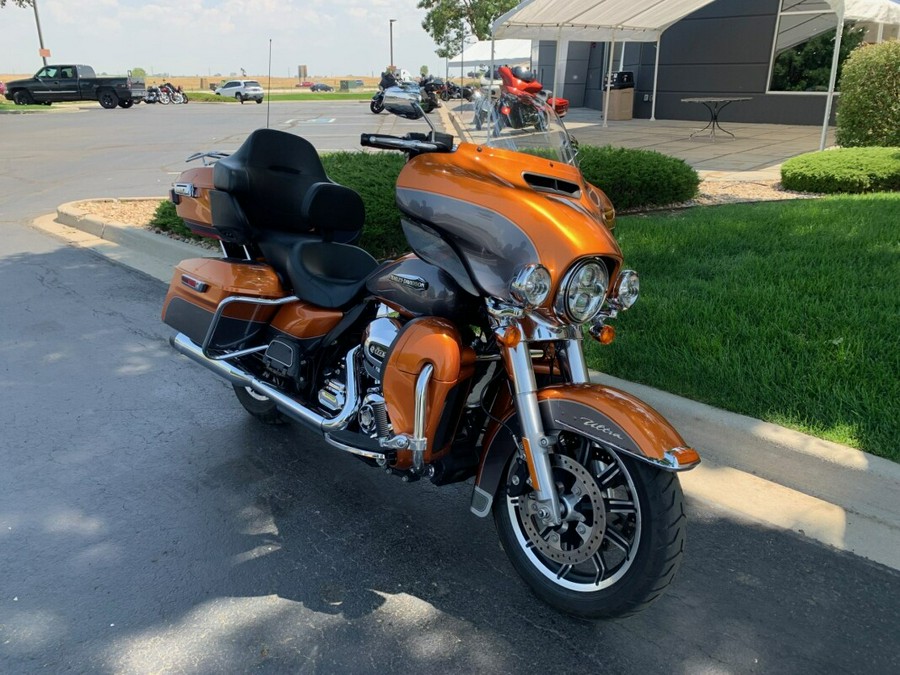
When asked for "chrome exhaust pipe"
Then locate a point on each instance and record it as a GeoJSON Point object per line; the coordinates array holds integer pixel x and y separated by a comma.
{"type": "Point", "coordinates": [293, 409]}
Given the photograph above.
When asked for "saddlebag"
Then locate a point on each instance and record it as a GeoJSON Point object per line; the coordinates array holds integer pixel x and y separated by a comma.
{"type": "Point", "coordinates": [198, 287]}
{"type": "Point", "coordinates": [191, 198]}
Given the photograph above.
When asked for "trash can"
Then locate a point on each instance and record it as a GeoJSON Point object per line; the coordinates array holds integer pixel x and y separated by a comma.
{"type": "Point", "coordinates": [621, 104]}
{"type": "Point", "coordinates": [621, 95]}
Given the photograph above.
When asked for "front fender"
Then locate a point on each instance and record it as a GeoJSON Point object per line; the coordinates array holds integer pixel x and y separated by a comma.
{"type": "Point", "coordinates": [611, 417]}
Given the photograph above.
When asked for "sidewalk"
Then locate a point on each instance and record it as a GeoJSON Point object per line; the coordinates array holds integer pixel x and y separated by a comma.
{"type": "Point", "coordinates": [751, 469]}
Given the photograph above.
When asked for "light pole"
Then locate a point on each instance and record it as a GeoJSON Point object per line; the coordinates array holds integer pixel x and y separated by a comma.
{"type": "Point", "coordinates": [391, 24]}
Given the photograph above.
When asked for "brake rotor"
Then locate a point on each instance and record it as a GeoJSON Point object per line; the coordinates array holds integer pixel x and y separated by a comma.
{"type": "Point", "coordinates": [577, 538]}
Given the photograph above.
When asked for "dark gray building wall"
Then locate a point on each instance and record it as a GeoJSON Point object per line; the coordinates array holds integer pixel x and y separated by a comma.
{"type": "Point", "coordinates": [723, 49]}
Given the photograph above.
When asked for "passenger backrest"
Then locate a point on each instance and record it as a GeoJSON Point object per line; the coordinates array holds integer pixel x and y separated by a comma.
{"type": "Point", "coordinates": [269, 176]}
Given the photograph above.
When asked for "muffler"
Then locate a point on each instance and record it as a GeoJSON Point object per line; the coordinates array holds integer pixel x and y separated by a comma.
{"type": "Point", "coordinates": [293, 409]}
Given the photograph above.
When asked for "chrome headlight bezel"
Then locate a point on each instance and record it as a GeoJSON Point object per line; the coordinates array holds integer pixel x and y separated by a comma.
{"type": "Point", "coordinates": [575, 280]}
{"type": "Point", "coordinates": [531, 286]}
{"type": "Point", "coordinates": [628, 290]}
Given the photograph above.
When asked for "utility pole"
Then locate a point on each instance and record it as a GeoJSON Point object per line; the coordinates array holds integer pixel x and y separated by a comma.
{"type": "Point", "coordinates": [37, 20]}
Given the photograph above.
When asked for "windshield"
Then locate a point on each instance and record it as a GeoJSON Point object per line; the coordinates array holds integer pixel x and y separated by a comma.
{"type": "Point", "coordinates": [522, 123]}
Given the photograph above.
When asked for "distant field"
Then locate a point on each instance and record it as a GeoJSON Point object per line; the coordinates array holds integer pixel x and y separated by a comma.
{"type": "Point", "coordinates": [201, 83]}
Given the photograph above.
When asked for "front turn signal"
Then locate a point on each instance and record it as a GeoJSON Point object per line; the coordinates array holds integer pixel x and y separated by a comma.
{"type": "Point", "coordinates": [510, 338]}
{"type": "Point", "coordinates": [604, 335]}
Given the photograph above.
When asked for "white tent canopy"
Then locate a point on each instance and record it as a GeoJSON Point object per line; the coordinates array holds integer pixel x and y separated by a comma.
{"type": "Point", "coordinates": [505, 51]}
{"type": "Point", "coordinates": [594, 21]}
{"type": "Point", "coordinates": [645, 21]}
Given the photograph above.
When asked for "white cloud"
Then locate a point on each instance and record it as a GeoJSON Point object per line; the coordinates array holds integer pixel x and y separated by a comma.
{"type": "Point", "coordinates": [203, 37]}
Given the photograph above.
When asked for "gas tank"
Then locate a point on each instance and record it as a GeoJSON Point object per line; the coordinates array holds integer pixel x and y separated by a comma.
{"type": "Point", "coordinates": [415, 288]}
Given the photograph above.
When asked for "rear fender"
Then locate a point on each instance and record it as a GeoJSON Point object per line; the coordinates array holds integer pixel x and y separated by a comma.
{"type": "Point", "coordinates": [611, 417]}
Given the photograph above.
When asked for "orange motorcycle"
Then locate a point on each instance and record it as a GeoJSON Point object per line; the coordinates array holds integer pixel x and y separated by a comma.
{"type": "Point", "coordinates": [461, 360]}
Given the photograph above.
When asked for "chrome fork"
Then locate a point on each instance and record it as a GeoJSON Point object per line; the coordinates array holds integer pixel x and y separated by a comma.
{"type": "Point", "coordinates": [537, 444]}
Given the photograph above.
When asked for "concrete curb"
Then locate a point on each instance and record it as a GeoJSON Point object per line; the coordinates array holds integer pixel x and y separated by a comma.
{"type": "Point", "coordinates": [759, 471]}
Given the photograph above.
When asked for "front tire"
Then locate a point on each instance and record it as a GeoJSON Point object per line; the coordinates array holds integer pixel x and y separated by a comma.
{"type": "Point", "coordinates": [22, 97]}
{"type": "Point", "coordinates": [239, 98]}
{"type": "Point", "coordinates": [621, 539]}
{"type": "Point", "coordinates": [261, 407]}
{"type": "Point", "coordinates": [376, 106]}
{"type": "Point", "coordinates": [126, 103]}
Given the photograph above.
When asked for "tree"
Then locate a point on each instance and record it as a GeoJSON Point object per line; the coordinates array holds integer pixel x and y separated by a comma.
{"type": "Point", "coordinates": [19, 3]}
{"type": "Point", "coordinates": [449, 21]}
{"type": "Point", "coordinates": [138, 72]}
{"type": "Point", "coordinates": [807, 66]}
{"type": "Point", "coordinates": [423, 71]}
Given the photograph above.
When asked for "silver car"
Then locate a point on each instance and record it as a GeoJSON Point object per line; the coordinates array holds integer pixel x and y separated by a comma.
{"type": "Point", "coordinates": [242, 90]}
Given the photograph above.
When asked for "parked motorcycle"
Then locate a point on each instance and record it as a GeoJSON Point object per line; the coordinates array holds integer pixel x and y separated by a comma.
{"type": "Point", "coordinates": [153, 95]}
{"type": "Point", "coordinates": [512, 107]}
{"type": "Point", "coordinates": [388, 80]}
{"type": "Point", "coordinates": [429, 88]}
{"type": "Point", "coordinates": [460, 360]}
{"type": "Point", "coordinates": [450, 90]}
{"type": "Point", "coordinates": [169, 92]}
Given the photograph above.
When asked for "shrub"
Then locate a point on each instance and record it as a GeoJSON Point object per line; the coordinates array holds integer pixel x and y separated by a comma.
{"type": "Point", "coordinates": [373, 176]}
{"type": "Point", "coordinates": [844, 170]}
{"type": "Point", "coordinates": [206, 97]}
{"type": "Point", "coordinates": [166, 219]}
{"type": "Point", "coordinates": [869, 110]}
{"type": "Point", "coordinates": [638, 178]}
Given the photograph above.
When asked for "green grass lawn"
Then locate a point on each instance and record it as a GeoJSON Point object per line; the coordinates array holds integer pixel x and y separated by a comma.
{"type": "Point", "coordinates": [788, 312]}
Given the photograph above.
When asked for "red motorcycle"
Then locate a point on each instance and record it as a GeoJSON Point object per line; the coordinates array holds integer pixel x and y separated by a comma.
{"type": "Point", "coordinates": [513, 107]}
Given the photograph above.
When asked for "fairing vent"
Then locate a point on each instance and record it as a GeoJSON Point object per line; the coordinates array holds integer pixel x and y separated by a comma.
{"type": "Point", "coordinates": [554, 185]}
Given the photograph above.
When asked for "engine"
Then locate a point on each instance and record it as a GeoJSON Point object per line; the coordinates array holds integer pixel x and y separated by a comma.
{"type": "Point", "coordinates": [378, 338]}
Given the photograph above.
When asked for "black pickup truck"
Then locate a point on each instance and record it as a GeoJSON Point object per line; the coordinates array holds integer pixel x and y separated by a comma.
{"type": "Point", "coordinates": [54, 84]}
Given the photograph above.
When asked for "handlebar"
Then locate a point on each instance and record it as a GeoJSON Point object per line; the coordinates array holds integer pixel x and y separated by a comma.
{"type": "Point", "coordinates": [406, 144]}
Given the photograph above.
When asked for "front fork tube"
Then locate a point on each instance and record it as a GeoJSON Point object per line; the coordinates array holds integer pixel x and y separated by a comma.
{"type": "Point", "coordinates": [536, 444]}
{"type": "Point", "coordinates": [578, 369]}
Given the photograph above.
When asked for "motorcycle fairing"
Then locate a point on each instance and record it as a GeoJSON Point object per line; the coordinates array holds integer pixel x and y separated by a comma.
{"type": "Point", "coordinates": [609, 416]}
{"type": "Point", "coordinates": [485, 202]}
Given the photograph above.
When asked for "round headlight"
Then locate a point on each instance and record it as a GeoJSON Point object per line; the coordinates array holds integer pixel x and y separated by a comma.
{"type": "Point", "coordinates": [629, 289]}
{"type": "Point", "coordinates": [531, 285]}
{"type": "Point", "coordinates": [583, 291]}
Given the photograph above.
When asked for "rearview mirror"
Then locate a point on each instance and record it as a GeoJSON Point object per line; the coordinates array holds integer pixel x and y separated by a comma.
{"type": "Point", "coordinates": [403, 102]}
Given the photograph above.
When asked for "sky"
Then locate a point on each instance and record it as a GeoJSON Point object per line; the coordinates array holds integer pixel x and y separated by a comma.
{"type": "Point", "coordinates": [206, 37]}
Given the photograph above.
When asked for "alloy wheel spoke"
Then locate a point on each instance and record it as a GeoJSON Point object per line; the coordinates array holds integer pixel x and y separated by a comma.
{"type": "Point", "coordinates": [599, 566]}
{"type": "Point", "coordinates": [620, 506]}
{"type": "Point", "coordinates": [610, 472]}
{"type": "Point", "coordinates": [563, 571]}
{"type": "Point", "coordinates": [617, 539]}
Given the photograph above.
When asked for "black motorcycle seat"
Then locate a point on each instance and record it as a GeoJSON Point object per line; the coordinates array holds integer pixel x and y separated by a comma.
{"type": "Point", "coordinates": [270, 177]}
{"type": "Point", "coordinates": [327, 273]}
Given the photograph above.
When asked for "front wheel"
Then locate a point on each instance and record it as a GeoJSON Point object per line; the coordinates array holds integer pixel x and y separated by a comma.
{"type": "Point", "coordinates": [126, 103]}
{"type": "Point", "coordinates": [239, 98]}
{"type": "Point", "coordinates": [22, 97]}
{"type": "Point", "coordinates": [376, 106]}
{"type": "Point", "coordinates": [620, 540]}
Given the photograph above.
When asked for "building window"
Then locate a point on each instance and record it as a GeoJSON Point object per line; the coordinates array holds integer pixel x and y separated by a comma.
{"type": "Point", "coordinates": [804, 46]}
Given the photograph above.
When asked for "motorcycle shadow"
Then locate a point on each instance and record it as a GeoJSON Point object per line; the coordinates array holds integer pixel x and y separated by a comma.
{"type": "Point", "coordinates": [342, 537]}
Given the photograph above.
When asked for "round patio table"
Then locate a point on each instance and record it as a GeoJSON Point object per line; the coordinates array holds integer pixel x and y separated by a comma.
{"type": "Point", "coordinates": [715, 105]}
